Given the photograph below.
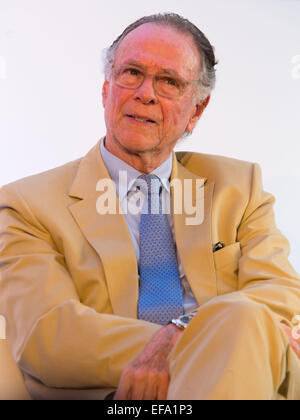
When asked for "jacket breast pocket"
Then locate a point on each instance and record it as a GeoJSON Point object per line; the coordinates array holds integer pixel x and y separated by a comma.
{"type": "Point", "coordinates": [227, 266]}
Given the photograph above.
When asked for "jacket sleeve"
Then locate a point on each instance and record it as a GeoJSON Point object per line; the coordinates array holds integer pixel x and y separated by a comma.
{"type": "Point", "coordinates": [265, 273]}
{"type": "Point", "coordinates": [52, 335]}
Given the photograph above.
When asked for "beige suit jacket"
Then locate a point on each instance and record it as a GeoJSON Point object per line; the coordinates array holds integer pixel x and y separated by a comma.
{"type": "Point", "coordinates": [69, 277]}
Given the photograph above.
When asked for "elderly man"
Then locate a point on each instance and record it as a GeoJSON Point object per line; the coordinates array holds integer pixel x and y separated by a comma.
{"type": "Point", "coordinates": [149, 304]}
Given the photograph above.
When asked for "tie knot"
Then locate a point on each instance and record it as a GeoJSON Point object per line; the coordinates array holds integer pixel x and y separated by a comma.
{"type": "Point", "coordinates": [149, 184]}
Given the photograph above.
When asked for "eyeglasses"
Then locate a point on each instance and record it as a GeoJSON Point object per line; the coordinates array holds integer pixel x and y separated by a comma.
{"type": "Point", "coordinates": [130, 77]}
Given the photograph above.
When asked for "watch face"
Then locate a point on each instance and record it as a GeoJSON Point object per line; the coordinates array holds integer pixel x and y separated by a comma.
{"type": "Point", "coordinates": [185, 319]}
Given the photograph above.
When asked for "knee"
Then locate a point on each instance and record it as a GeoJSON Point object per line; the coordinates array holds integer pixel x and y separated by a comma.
{"type": "Point", "coordinates": [250, 317]}
{"type": "Point", "coordinates": [244, 310]}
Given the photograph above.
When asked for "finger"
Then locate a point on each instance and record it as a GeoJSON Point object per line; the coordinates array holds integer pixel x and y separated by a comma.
{"type": "Point", "coordinates": [139, 385]}
{"type": "Point", "coordinates": [157, 388]}
{"type": "Point", "coordinates": [163, 388]}
{"type": "Point", "coordinates": [124, 389]}
{"type": "Point", "coordinates": [287, 329]}
{"type": "Point", "coordinates": [121, 394]}
{"type": "Point", "coordinates": [295, 346]}
{"type": "Point", "coordinates": [289, 332]}
{"type": "Point", "coordinates": [151, 390]}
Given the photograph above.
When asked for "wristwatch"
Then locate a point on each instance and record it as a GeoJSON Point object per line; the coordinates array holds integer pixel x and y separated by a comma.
{"type": "Point", "coordinates": [183, 321]}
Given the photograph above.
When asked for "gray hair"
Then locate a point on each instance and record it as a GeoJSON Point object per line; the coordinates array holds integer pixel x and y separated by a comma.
{"type": "Point", "coordinates": [207, 77]}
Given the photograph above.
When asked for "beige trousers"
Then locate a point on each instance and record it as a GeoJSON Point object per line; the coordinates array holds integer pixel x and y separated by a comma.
{"type": "Point", "coordinates": [234, 349]}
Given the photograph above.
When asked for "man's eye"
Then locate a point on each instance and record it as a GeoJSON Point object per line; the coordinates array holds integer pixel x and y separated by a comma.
{"type": "Point", "coordinates": [131, 72]}
{"type": "Point", "coordinates": [171, 82]}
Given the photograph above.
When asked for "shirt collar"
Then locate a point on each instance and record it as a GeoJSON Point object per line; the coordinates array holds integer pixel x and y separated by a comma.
{"type": "Point", "coordinates": [114, 165]}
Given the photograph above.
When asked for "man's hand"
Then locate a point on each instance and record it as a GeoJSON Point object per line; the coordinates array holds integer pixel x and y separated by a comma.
{"type": "Point", "coordinates": [295, 343]}
{"type": "Point", "coordinates": [147, 377]}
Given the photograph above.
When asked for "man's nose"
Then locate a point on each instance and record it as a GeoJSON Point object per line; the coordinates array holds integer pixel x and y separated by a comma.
{"type": "Point", "coordinates": [145, 93]}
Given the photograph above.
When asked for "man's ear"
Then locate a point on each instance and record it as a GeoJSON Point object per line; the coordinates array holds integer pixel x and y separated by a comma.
{"type": "Point", "coordinates": [199, 108]}
{"type": "Point", "coordinates": [104, 92]}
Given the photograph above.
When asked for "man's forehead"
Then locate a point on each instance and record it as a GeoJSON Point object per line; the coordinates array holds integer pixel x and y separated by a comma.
{"type": "Point", "coordinates": [160, 46]}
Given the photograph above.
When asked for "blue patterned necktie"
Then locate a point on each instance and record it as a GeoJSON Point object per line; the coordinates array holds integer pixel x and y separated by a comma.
{"type": "Point", "coordinates": [160, 298]}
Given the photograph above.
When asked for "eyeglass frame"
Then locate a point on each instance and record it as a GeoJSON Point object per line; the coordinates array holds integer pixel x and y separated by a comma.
{"type": "Point", "coordinates": [146, 74]}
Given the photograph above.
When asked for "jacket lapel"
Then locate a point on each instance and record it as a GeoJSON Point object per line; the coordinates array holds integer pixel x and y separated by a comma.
{"type": "Point", "coordinates": [108, 234]}
{"type": "Point", "coordinates": [194, 242]}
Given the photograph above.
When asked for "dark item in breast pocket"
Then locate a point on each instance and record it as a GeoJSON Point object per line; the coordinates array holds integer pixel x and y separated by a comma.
{"type": "Point", "coordinates": [218, 246]}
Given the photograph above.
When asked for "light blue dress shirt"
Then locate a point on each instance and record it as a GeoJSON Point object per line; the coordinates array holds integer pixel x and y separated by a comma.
{"type": "Point", "coordinates": [126, 192]}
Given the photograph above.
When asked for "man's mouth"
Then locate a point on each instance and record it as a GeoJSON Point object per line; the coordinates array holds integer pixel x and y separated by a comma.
{"type": "Point", "coordinates": [141, 119]}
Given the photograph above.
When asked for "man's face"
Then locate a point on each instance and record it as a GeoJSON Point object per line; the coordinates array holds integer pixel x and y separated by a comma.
{"type": "Point", "coordinates": [154, 48]}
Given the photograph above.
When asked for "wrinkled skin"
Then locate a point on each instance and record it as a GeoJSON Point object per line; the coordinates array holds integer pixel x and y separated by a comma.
{"type": "Point", "coordinates": [142, 145]}
{"type": "Point", "coordinates": [148, 377]}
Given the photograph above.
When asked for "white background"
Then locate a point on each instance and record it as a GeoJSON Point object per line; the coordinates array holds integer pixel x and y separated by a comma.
{"type": "Point", "coordinates": [51, 77]}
